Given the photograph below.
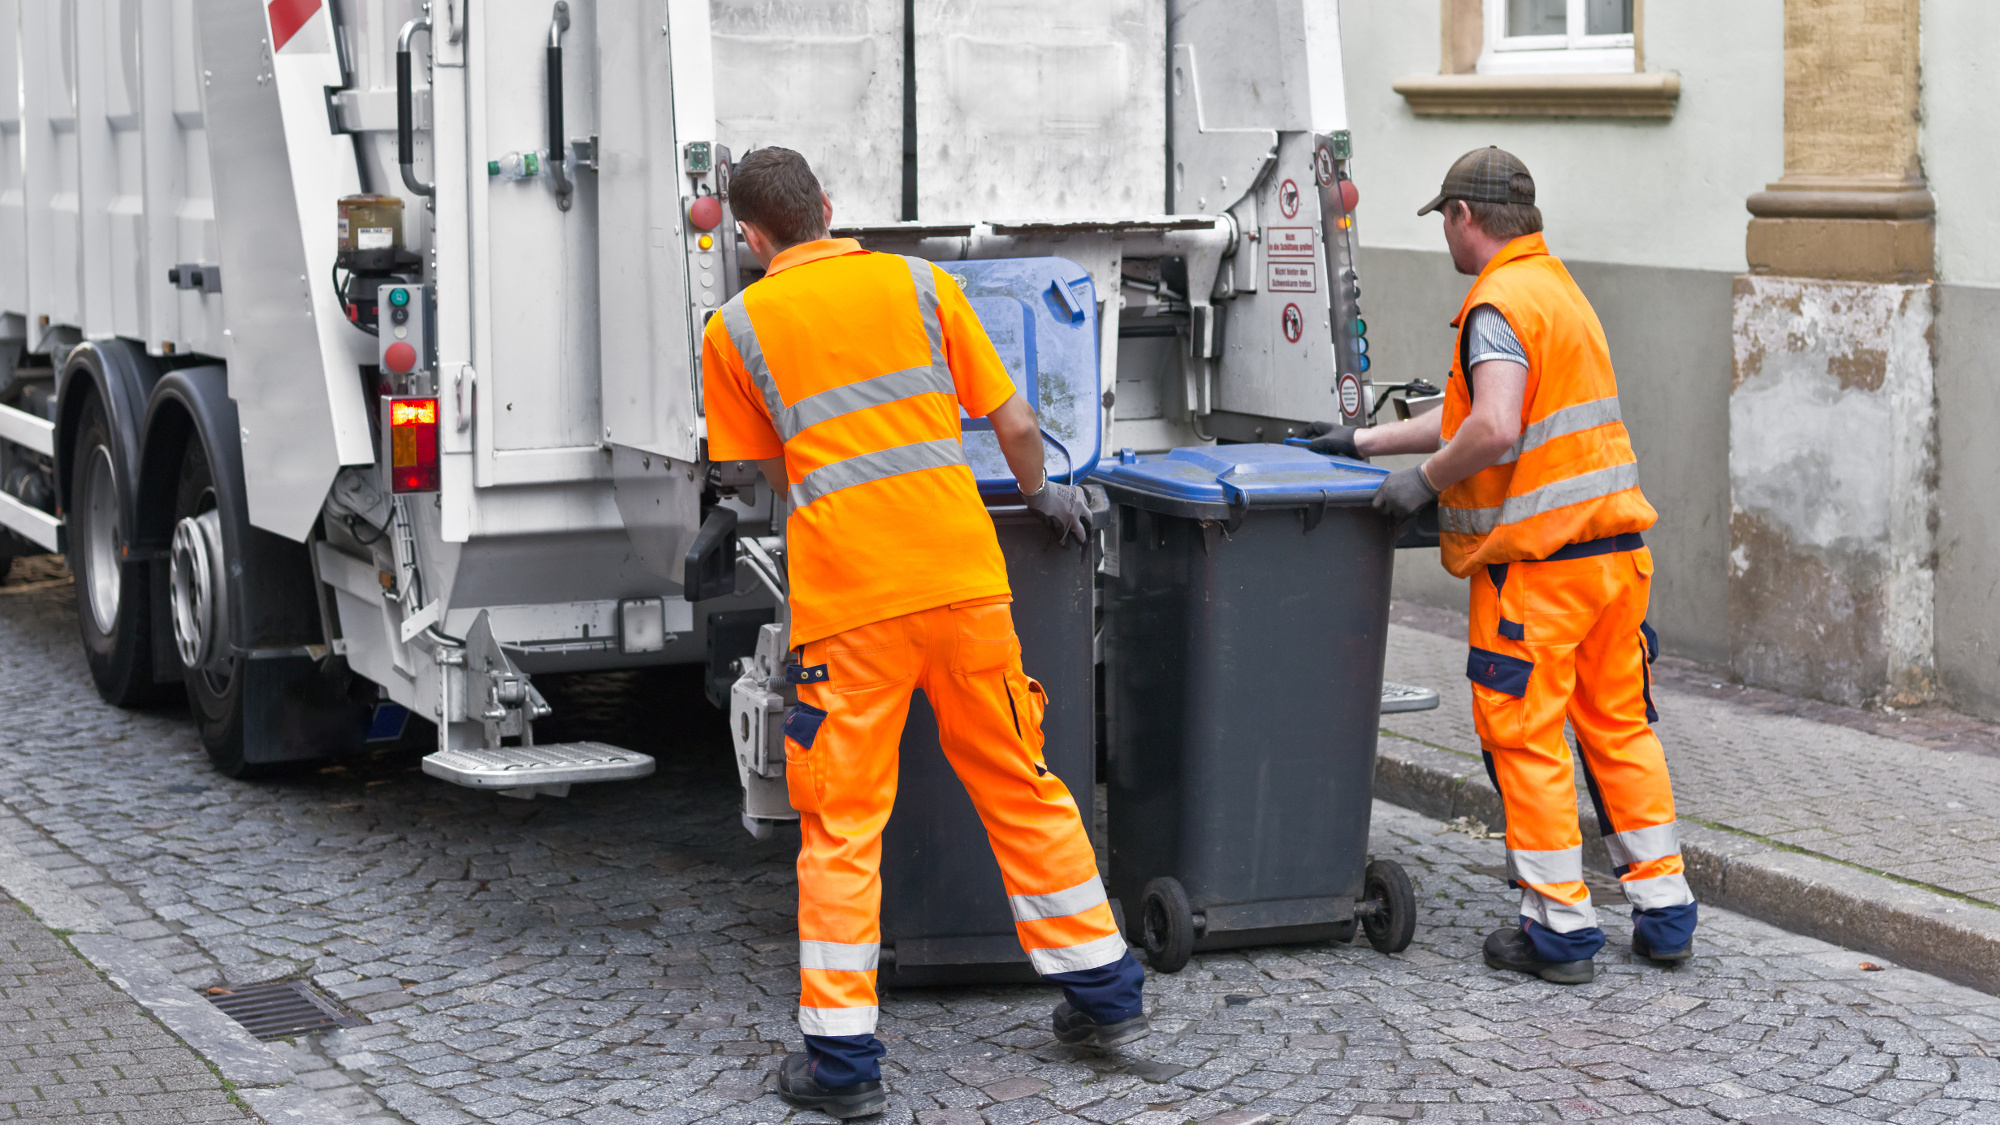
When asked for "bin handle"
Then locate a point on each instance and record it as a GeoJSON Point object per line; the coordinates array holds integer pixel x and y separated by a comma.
{"type": "Point", "coordinates": [406, 131]}
{"type": "Point", "coordinates": [1069, 459]}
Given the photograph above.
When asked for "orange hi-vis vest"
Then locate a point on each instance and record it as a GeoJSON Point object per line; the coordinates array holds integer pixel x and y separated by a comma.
{"type": "Point", "coordinates": [1572, 476]}
{"type": "Point", "coordinates": [852, 366]}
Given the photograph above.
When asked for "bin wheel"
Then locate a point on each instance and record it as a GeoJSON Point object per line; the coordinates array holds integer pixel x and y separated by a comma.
{"type": "Point", "coordinates": [1391, 921]}
{"type": "Point", "coordinates": [1166, 926]}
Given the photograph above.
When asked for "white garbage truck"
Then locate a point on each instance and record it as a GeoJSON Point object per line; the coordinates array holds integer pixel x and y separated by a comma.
{"type": "Point", "coordinates": [352, 346]}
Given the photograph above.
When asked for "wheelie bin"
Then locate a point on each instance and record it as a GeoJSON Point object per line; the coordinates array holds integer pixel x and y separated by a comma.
{"type": "Point", "coordinates": [1246, 608]}
{"type": "Point", "coordinates": [945, 918]}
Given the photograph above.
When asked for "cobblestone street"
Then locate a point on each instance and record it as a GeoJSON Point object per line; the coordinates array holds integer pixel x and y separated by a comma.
{"type": "Point", "coordinates": [627, 954]}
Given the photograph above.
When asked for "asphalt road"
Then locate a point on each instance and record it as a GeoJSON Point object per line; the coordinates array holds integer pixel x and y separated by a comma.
{"type": "Point", "coordinates": [627, 954]}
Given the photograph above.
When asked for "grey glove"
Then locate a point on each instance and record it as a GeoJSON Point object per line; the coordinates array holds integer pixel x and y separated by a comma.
{"type": "Point", "coordinates": [1403, 493]}
{"type": "Point", "coordinates": [1332, 440]}
{"type": "Point", "coordinates": [1064, 506]}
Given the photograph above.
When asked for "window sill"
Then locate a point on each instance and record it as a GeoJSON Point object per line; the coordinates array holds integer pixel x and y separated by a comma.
{"type": "Point", "coordinates": [1541, 95]}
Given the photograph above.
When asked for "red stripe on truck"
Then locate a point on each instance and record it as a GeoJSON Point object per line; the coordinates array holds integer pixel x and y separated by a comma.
{"type": "Point", "coordinates": [287, 17]}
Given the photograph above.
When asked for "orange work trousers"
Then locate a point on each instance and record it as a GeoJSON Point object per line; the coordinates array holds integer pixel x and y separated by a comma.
{"type": "Point", "coordinates": [1565, 639]}
{"type": "Point", "coordinates": [841, 752]}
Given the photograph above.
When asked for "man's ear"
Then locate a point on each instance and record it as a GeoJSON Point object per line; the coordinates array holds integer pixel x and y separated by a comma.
{"type": "Point", "coordinates": [826, 209]}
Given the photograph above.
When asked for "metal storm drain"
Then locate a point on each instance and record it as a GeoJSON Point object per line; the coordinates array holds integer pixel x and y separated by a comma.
{"type": "Point", "coordinates": [272, 1011]}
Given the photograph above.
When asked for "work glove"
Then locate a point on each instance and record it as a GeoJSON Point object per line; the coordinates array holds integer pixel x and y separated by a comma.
{"type": "Point", "coordinates": [1332, 440]}
{"type": "Point", "coordinates": [1063, 506]}
{"type": "Point", "coordinates": [1404, 493]}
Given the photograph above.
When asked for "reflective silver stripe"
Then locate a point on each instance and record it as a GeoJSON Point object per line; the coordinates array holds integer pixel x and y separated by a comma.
{"type": "Point", "coordinates": [1556, 494]}
{"type": "Point", "coordinates": [1642, 844]}
{"type": "Point", "coordinates": [879, 391]}
{"type": "Point", "coordinates": [736, 319]}
{"type": "Point", "coordinates": [837, 1021]}
{"type": "Point", "coordinates": [1076, 958]}
{"type": "Point", "coordinates": [1569, 420]}
{"type": "Point", "coordinates": [881, 464]}
{"type": "Point", "coordinates": [1546, 868]}
{"type": "Point", "coordinates": [1562, 917]}
{"type": "Point", "coordinates": [1659, 891]}
{"type": "Point", "coordinates": [927, 307]}
{"type": "Point", "coordinates": [1058, 904]}
{"type": "Point", "coordinates": [838, 957]}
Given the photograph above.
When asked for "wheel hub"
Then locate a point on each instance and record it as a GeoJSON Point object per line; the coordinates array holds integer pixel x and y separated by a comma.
{"type": "Point", "coordinates": [100, 529]}
{"type": "Point", "coordinates": [194, 589]}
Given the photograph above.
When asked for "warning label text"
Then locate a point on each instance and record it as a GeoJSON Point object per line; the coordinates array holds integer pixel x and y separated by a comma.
{"type": "Point", "coordinates": [1293, 277]}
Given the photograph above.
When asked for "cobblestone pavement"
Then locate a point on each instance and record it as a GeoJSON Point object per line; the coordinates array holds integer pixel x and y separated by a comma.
{"type": "Point", "coordinates": [627, 954]}
{"type": "Point", "coordinates": [74, 1048]}
{"type": "Point", "coordinates": [1919, 812]}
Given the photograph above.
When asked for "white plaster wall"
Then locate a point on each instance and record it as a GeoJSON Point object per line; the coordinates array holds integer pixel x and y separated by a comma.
{"type": "Point", "coordinates": [1960, 140]}
{"type": "Point", "coordinates": [1644, 193]}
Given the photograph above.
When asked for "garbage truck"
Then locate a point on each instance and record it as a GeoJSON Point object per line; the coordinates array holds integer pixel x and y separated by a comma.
{"type": "Point", "coordinates": [352, 346]}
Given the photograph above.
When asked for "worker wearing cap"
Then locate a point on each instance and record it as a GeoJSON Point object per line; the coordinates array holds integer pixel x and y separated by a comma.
{"type": "Point", "coordinates": [1539, 505]}
{"type": "Point", "coordinates": [843, 373]}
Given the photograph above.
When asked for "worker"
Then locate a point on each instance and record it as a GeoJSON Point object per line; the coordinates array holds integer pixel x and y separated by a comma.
{"type": "Point", "coordinates": [843, 373]}
{"type": "Point", "coordinates": [1539, 505]}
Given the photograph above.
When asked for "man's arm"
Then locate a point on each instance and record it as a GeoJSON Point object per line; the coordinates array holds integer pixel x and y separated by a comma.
{"type": "Point", "coordinates": [774, 475]}
{"type": "Point", "coordinates": [1020, 432]}
{"type": "Point", "coordinates": [1487, 433]}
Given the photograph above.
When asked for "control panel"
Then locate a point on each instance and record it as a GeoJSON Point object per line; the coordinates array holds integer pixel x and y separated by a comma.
{"type": "Point", "coordinates": [710, 230]}
{"type": "Point", "coordinates": [405, 316]}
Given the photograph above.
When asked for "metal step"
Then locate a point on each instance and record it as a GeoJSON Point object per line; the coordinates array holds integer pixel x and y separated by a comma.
{"type": "Point", "coordinates": [524, 771]}
{"type": "Point", "coordinates": [1405, 697]}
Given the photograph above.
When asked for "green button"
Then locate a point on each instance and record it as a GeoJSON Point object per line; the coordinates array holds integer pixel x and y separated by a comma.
{"type": "Point", "coordinates": [1360, 327]}
{"type": "Point", "coordinates": [399, 297]}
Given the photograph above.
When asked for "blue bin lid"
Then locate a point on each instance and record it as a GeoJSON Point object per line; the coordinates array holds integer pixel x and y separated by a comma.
{"type": "Point", "coordinates": [1239, 476]}
{"type": "Point", "coordinates": [1041, 314]}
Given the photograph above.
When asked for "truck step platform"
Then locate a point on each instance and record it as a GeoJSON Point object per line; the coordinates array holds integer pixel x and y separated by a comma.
{"type": "Point", "coordinates": [548, 770]}
{"type": "Point", "coordinates": [1405, 697]}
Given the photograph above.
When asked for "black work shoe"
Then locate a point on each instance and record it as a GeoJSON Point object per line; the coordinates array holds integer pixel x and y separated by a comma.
{"type": "Point", "coordinates": [1509, 949]}
{"type": "Point", "coordinates": [797, 1085]}
{"type": "Point", "coordinates": [1640, 948]}
{"type": "Point", "coordinates": [1079, 1030]}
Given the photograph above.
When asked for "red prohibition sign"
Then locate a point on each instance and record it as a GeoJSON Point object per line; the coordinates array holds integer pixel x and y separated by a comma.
{"type": "Point", "coordinates": [1323, 165]}
{"type": "Point", "coordinates": [1294, 323]}
{"type": "Point", "coordinates": [1288, 199]}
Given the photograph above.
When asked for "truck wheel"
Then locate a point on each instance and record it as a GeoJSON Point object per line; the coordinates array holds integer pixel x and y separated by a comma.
{"type": "Point", "coordinates": [1393, 922]}
{"type": "Point", "coordinates": [1166, 926]}
{"type": "Point", "coordinates": [113, 613]}
{"type": "Point", "coordinates": [198, 597]}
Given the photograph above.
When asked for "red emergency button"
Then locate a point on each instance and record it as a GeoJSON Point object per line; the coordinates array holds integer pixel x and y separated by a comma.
{"type": "Point", "coordinates": [1349, 195]}
{"type": "Point", "coordinates": [705, 213]}
{"type": "Point", "coordinates": [400, 357]}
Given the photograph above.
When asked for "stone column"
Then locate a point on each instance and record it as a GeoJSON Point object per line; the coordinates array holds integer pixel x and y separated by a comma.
{"type": "Point", "coordinates": [1832, 410]}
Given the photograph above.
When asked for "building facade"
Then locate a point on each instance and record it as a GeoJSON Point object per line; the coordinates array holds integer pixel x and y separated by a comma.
{"type": "Point", "coordinates": [1783, 215]}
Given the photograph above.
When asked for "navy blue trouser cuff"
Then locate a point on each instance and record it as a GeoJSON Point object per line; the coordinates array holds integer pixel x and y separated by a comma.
{"type": "Point", "coordinates": [843, 1060]}
{"type": "Point", "coordinates": [1107, 994]}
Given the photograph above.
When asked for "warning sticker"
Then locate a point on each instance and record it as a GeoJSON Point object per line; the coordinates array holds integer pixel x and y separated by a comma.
{"type": "Point", "coordinates": [1350, 395]}
{"type": "Point", "coordinates": [1292, 277]}
{"type": "Point", "coordinates": [1288, 242]}
{"type": "Point", "coordinates": [1288, 199]}
{"type": "Point", "coordinates": [1293, 322]}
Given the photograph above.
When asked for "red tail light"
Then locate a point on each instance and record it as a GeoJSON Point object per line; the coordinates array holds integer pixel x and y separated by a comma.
{"type": "Point", "coordinates": [413, 444]}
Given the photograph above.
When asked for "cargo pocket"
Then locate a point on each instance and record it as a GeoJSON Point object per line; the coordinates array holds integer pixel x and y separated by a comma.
{"type": "Point", "coordinates": [1499, 688]}
{"type": "Point", "coordinates": [1028, 702]}
{"type": "Point", "coordinates": [801, 778]}
{"type": "Point", "coordinates": [869, 656]}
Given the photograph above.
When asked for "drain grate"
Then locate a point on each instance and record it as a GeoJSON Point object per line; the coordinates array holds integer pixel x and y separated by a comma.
{"type": "Point", "coordinates": [272, 1011]}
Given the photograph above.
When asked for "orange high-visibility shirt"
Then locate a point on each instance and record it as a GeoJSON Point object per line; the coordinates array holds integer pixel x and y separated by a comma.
{"type": "Point", "coordinates": [853, 366]}
{"type": "Point", "coordinates": [1571, 477]}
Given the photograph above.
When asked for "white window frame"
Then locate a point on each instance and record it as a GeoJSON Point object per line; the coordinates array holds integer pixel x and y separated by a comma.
{"type": "Point", "coordinates": [1574, 53]}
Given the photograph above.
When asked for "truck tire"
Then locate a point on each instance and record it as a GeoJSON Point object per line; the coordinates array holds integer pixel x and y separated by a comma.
{"type": "Point", "coordinates": [199, 605]}
{"type": "Point", "coordinates": [113, 606]}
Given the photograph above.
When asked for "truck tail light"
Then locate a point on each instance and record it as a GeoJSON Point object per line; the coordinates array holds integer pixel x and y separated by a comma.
{"type": "Point", "coordinates": [413, 444]}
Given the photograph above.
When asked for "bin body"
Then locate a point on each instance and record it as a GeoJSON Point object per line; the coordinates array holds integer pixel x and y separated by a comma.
{"type": "Point", "coordinates": [1245, 635]}
{"type": "Point", "coordinates": [945, 918]}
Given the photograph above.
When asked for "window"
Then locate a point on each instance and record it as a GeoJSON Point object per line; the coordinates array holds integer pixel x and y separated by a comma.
{"type": "Point", "coordinates": [1558, 37]}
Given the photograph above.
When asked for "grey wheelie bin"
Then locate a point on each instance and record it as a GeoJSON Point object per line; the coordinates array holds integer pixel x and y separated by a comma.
{"type": "Point", "coordinates": [945, 918]}
{"type": "Point", "coordinates": [1246, 608]}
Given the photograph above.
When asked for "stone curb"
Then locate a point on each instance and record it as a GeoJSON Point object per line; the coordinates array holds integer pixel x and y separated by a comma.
{"type": "Point", "coordinates": [261, 1076]}
{"type": "Point", "coordinates": [1803, 893]}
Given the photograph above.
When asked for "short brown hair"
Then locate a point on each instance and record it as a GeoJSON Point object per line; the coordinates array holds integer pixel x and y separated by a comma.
{"type": "Point", "coordinates": [1505, 220]}
{"type": "Point", "coordinates": [775, 188]}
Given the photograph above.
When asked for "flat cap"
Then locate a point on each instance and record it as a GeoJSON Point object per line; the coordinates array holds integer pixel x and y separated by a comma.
{"type": "Point", "coordinates": [1485, 175]}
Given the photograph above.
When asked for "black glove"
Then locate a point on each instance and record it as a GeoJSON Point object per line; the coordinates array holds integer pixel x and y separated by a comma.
{"type": "Point", "coordinates": [1403, 493]}
{"type": "Point", "coordinates": [1332, 440]}
{"type": "Point", "coordinates": [1064, 506]}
